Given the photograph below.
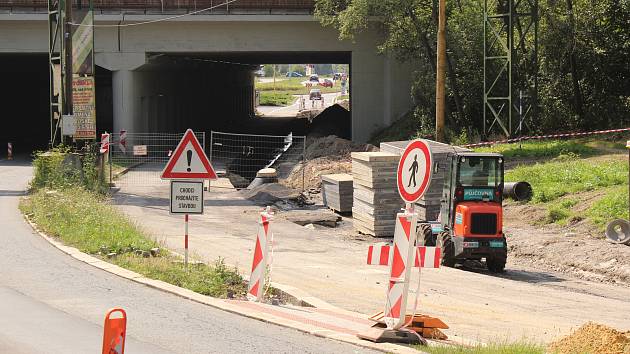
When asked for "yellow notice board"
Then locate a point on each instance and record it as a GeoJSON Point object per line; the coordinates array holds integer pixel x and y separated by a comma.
{"type": "Point", "coordinates": [84, 107]}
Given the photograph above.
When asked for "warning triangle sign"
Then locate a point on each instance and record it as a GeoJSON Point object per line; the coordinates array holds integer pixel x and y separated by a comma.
{"type": "Point", "coordinates": [189, 161]}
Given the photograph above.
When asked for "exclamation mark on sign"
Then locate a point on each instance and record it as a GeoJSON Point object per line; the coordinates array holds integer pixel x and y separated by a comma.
{"type": "Point", "coordinates": [189, 158]}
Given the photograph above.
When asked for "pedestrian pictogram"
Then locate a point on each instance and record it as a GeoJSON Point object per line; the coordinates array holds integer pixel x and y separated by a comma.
{"type": "Point", "coordinates": [114, 332]}
{"type": "Point", "coordinates": [414, 171]}
{"type": "Point", "coordinates": [188, 161]}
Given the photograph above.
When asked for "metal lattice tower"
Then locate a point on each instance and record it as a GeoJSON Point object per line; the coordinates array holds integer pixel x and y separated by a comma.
{"type": "Point", "coordinates": [510, 66]}
{"type": "Point", "coordinates": [56, 68]}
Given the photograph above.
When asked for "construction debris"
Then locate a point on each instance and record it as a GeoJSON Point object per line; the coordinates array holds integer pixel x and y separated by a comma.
{"type": "Point", "coordinates": [375, 197]}
{"type": "Point", "coordinates": [322, 217]}
{"type": "Point", "coordinates": [593, 338]}
{"type": "Point", "coordinates": [327, 155]}
{"type": "Point", "coordinates": [337, 192]}
{"type": "Point", "coordinates": [270, 193]}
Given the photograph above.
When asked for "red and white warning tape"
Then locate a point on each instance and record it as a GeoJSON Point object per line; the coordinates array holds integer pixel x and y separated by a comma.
{"type": "Point", "coordinates": [426, 257]}
{"type": "Point", "coordinates": [552, 136]}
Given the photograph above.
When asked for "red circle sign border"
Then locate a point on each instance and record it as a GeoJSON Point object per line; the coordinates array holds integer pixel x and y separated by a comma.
{"type": "Point", "coordinates": [408, 197]}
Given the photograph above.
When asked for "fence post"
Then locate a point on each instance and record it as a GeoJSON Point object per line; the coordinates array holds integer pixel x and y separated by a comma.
{"type": "Point", "coordinates": [304, 164]}
{"type": "Point", "coordinates": [210, 151]}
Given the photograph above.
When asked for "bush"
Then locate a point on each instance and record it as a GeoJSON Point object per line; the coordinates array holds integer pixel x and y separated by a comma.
{"type": "Point", "coordinates": [59, 168]}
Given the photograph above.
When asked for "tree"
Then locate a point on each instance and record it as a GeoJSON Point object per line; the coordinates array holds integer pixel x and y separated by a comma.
{"type": "Point", "coordinates": [584, 56]}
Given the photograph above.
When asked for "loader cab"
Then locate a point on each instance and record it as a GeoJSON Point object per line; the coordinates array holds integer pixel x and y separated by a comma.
{"type": "Point", "coordinates": [471, 177]}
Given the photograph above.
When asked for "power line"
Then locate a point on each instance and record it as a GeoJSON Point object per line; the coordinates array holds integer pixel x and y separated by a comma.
{"type": "Point", "coordinates": [154, 21]}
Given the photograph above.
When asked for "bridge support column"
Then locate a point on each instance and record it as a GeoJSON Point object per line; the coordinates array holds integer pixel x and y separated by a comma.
{"type": "Point", "coordinates": [124, 97]}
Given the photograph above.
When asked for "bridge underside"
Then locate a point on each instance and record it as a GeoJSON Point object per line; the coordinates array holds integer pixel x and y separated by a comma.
{"type": "Point", "coordinates": [197, 71]}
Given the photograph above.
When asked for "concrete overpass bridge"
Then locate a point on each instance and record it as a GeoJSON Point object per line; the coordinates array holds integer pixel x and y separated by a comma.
{"type": "Point", "coordinates": [191, 71]}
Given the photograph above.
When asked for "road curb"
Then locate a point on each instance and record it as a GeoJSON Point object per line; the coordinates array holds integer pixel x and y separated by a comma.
{"type": "Point", "coordinates": [225, 305]}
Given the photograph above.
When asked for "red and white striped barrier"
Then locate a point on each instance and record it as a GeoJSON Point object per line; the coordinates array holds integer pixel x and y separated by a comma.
{"type": "Point", "coordinates": [552, 136]}
{"type": "Point", "coordinates": [122, 143]}
{"type": "Point", "coordinates": [400, 269]}
{"type": "Point", "coordinates": [104, 143]}
{"type": "Point", "coordinates": [426, 257]}
{"type": "Point", "coordinates": [256, 286]}
{"type": "Point", "coordinates": [9, 151]}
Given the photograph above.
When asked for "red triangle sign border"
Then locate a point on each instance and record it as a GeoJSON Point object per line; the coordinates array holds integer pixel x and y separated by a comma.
{"type": "Point", "coordinates": [189, 137]}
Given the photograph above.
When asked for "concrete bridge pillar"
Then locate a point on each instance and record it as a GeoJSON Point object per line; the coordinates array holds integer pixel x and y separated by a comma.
{"type": "Point", "coordinates": [125, 87]}
{"type": "Point", "coordinates": [124, 100]}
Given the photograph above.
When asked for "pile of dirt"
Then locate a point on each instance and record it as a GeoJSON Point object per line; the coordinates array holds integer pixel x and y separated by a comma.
{"type": "Point", "coordinates": [593, 338]}
{"type": "Point", "coordinates": [334, 120]}
{"type": "Point", "coordinates": [334, 146]}
{"type": "Point", "coordinates": [327, 155]}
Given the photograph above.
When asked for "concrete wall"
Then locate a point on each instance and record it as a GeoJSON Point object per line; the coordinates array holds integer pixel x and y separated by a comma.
{"type": "Point", "coordinates": [380, 86]}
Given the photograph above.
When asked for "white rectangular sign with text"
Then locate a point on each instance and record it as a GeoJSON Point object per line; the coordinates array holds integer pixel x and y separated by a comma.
{"type": "Point", "coordinates": [186, 197]}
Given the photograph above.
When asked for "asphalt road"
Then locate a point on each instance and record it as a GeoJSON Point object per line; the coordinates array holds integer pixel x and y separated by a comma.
{"type": "Point", "coordinates": [52, 303]}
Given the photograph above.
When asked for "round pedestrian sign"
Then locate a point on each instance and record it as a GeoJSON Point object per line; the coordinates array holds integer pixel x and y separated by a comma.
{"type": "Point", "coordinates": [414, 171]}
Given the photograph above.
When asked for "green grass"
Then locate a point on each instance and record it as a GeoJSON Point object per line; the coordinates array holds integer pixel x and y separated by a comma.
{"type": "Point", "coordinates": [614, 205]}
{"type": "Point", "coordinates": [294, 86]}
{"type": "Point", "coordinates": [343, 97]}
{"type": "Point", "coordinates": [557, 178]}
{"type": "Point", "coordinates": [83, 220]}
{"type": "Point", "coordinates": [217, 280]}
{"type": "Point", "coordinates": [276, 98]}
{"type": "Point", "coordinates": [86, 221]}
{"type": "Point", "coordinates": [559, 212]}
{"type": "Point", "coordinates": [493, 348]}
{"type": "Point", "coordinates": [542, 149]}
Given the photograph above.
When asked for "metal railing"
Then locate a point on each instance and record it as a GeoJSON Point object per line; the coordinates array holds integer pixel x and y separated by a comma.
{"type": "Point", "coordinates": [240, 156]}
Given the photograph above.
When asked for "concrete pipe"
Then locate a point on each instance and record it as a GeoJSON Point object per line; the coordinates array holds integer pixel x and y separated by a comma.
{"type": "Point", "coordinates": [518, 190]}
{"type": "Point", "coordinates": [618, 231]}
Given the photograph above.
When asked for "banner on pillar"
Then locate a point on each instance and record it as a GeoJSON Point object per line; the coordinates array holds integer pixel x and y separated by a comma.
{"type": "Point", "coordinates": [83, 86]}
{"type": "Point", "coordinates": [83, 42]}
{"type": "Point", "coordinates": [84, 107]}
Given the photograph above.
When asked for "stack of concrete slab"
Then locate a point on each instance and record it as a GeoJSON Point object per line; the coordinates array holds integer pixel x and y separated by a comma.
{"type": "Point", "coordinates": [428, 207]}
{"type": "Point", "coordinates": [337, 192]}
{"type": "Point", "coordinates": [376, 200]}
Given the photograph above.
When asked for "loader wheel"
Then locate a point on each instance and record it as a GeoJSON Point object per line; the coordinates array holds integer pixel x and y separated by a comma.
{"type": "Point", "coordinates": [424, 233]}
{"type": "Point", "coordinates": [496, 263]}
{"type": "Point", "coordinates": [448, 249]}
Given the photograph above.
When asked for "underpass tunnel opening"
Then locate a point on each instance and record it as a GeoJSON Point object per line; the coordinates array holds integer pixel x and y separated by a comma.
{"type": "Point", "coordinates": [218, 91]}
{"type": "Point", "coordinates": [26, 121]}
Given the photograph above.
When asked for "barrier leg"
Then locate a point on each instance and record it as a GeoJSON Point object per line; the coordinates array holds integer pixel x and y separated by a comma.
{"type": "Point", "coordinates": [256, 286]}
{"type": "Point", "coordinates": [9, 151]}
{"type": "Point", "coordinates": [401, 262]}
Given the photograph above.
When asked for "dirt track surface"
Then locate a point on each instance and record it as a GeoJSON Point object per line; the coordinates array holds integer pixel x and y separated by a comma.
{"type": "Point", "coordinates": [330, 264]}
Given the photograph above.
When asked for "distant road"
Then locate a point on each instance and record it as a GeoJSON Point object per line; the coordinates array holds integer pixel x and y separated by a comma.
{"type": "Point", "coordinates": [52, 303]}
{"type": "Point", "coordinates": [293, 110]}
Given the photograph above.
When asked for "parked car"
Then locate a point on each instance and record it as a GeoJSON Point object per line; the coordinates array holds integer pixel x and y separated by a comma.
{"type": "Point", "coordinates": [294, 74]}
{"type": "Point", "coordinates": [313, 78]}
{"type": "Point", "coordinates": [315, 95]}
{"type": "Point", "coordinates": [327, 83]}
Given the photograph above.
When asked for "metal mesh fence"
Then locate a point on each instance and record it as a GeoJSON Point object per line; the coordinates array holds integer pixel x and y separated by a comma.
{"type": "Point", "coordinates": [241, 156]}
{"type": "Point", "coordinates": [138, 158]}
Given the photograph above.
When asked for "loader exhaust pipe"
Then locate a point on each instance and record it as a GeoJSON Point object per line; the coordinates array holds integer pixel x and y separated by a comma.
{"type": "Point", "coordinates": [518, 191]}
